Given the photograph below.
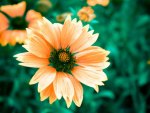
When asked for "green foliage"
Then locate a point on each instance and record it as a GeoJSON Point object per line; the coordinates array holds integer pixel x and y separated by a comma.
{"type": "Point", "coordinates": [124, 27]}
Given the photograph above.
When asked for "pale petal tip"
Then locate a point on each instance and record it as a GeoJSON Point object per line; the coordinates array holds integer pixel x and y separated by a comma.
{"type": "Point", "coordinates": [31, 82]}
{"type": "Point", "coordinates": [96, 88]}
{"type": "Point", "coordinates": [42, 99]}
{"type": "Point", "coordinates": [107, 52]}
{"type": "Point", "coordinates": [16, 55]}
{"type": "Point", "coordinates": [68, 18]}
{"type": "Point", "coordinates": [51, 101]}
{"type": "Point", "coordinates": [68, 104]}
{"type": "Point", "coordinates": [78, 103]}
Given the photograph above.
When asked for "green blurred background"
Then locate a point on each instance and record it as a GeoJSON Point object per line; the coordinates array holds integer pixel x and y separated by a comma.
{"type": "Point", "coordinates": [124, 27]}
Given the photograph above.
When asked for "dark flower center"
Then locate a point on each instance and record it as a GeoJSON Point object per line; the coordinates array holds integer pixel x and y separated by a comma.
{"type": "Point", "coordinates": [62, 60]}
{"type": "Point", "coordinates": [19, 23]}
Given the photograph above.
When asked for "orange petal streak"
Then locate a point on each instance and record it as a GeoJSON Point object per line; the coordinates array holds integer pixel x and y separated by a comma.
{"type": "Point", "coordinates": [48, 92]}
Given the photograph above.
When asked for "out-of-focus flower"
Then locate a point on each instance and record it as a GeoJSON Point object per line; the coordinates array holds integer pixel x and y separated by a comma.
{"type": "Point", "coordinates": [63, 16]}
{"type": "Point", "coordinates": [100, 2]}
{"type": "Point", "coordinates": [43, 5]}
{"type": "Point", "coordinates": [148, 61]}
{"type": "Point", "coordinates": [12, 29]}
{"type": "Point", "coordinates": [65, 57]}
{"type": "Point", "coordinates": [92, 2]}
{"type": "Point", "coordinates": [86, 14]}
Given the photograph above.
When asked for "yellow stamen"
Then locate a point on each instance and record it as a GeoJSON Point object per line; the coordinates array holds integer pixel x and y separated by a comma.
{"type": "Point", "coordinates": [64, 57]}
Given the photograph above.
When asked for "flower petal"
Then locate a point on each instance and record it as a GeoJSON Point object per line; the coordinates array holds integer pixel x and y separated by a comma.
{"type": "Point", "coordinates": [4, 23]}
{"type": "Point", "coordinates": [31, 60]}
{"type": "Point", "coordinates": [14, 10]}
{"type": "Point", "coordinates": [48, 31]}
{"type": "Point", "coordinates": [48, 92]}
{"type": "Point", "coordinates": [52, 96]}
{"type": "Point", "coordinates": [44, 72]}
{"type": "Point", "coordinates": [47, 79]}
{"type": "Point", "coordinates": [7, 37]}
{"type": "Point", "coordinates": [89, 76]}
{"type": "Point", "coordinates": [70, 32]}
{"type": "Point", "coordinates": [78, 91]}
{"type": "Point", "coordinates": [92, 55]}
{"type": "Point", "coordinates": [63, 87]}
{"type": "Point", "coordinates": [33, 15]}
{"type": "Point", "coordinates": [85, 41]}
{"type": "Point", "coordinates": [103, 2]}
{"type": "Point", "coordinates": [96, 66]}
{"type": "Point", "coordinates": [20, 36]}
{"type": "Point", "coordinates": [58, 30]}
{"type": "Point", "coordinates": [37, 45]}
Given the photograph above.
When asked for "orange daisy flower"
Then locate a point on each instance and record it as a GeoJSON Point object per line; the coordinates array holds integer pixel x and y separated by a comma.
{"type": "Point", "coordinates": [86, 14]}
{"type": "Point", "coordinates": [65, 57]}
{"type": "Point", "coordinates": [12, 30]}
{"type": "Point", "coordinates": [100, 2]}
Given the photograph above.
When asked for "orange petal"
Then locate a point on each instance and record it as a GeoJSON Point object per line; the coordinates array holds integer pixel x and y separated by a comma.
{"type": "Point", "coordinates": [47, 79]}
{"type": "Point", "coordinates": [52, 96]}
{"type": "Point", "coordinates": [36, 41]}
{"type": "Point", "coordinates": [92, 2]}
{"type": "Point", "coordinates": [20, 36]}
{"type": "Point", "coordinates": [33, 15]}
{"type": "Point", "coordinates": [37, 45]}
{"type": "Point", "coordinates": [92, 55]}
{"type": "Point", "coordinates": [78, 91]}
{"type": "Point", "coordinates": [47, 30]}
{"type": "Point", "coordinates": [86, 42]}
{"type": "Point", "coordinates": [89, 76]}
{"type": "Point", "coordinates": [31, 60]}
{"type": "Point", "coordinates": [7, 37]}
{"type": "Point", "coordinates": [14, 10]}
{"type": "Point", "coordinates": [70, 32]}
{"type": "Point", "coordinates": [103, 2]}
{"type": "Point", "coordinates": [58, 30]}
{"type": "Point", "coordinates": [63, 87]}
{"type": "Point", "coordinates": [42, 73]}
{"type": "Point", "coordinates": [96, 66]}
{"type": "Point", "coordinates": [48, 92]}
{"type": "Point", "coordinates": [45, 93]}
{"type": "Point", "coordinates": [4, 23]}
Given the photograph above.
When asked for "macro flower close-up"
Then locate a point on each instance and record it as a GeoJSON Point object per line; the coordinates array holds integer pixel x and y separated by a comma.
{"type": "Point", "coordinates": [74, 56]}
{"type": "Point", "coordinates": [15, 19]}
{"type": "Point", "coordinates": [65, 57]}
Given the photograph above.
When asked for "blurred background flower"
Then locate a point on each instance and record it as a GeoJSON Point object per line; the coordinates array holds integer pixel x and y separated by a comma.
{"type": "Point", "coordinates": [15, 21]}
{"type": "Point", "coordinates": [63, 16]}
{"type": "Point", "coordinates": [123, 26]}
{"type": "Point", "coordinates": [86, 14]}
{"type": "Point", "coordinates": [98, 2]}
